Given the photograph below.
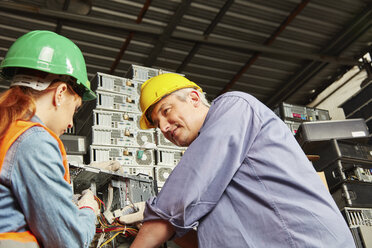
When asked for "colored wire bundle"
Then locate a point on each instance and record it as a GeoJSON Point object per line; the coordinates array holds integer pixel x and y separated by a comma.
{"type": "Point", "coordinates": [115, 228]}
{"type": "Point", "coordinates": [100, 202]}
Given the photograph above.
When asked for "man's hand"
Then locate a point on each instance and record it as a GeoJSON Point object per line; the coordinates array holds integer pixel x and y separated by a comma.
{"type": "Point", "coordinates": [135, 213]}
{"type": "Point", "coordinates": [87, 201]}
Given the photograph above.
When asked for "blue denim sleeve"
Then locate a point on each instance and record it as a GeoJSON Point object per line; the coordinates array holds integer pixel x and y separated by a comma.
{"type": "Point", "coordinates": [45, 197]}
{"type": "Point", "coordinates": [208, 165]}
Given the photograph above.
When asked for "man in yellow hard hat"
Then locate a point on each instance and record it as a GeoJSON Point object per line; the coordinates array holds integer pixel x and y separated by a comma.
{"type": "Point", "coordinates": [243, 180]}
{"type": "Point", "coordinates": [151, 93]}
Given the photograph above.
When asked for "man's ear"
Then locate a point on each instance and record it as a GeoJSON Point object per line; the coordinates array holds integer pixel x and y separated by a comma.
{"type": "Point", "coordinates": [195, 98]}
{"type": "Point", "coordinates": [59, 93]}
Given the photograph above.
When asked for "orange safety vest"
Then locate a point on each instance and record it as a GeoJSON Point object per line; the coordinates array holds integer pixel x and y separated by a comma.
{"type": "Point", "coordinates": [11, 135]}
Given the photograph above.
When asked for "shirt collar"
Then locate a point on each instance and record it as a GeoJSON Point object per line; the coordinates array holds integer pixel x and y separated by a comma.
{"type": "Point", "coordinates": [35, 118]}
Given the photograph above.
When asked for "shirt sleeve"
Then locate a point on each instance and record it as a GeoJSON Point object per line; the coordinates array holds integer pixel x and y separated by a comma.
{"type": "Point", "coordinates": [45, 197]}
{"type": "Point", "coordinates": [208, 166]}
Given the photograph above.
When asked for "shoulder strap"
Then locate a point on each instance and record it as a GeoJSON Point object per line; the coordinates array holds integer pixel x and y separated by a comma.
{"type": "Point", "coordinates": [19, 127]}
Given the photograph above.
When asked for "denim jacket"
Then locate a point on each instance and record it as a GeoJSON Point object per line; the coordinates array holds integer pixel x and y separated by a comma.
{"type": "Point", "coordinates": [34, 195]}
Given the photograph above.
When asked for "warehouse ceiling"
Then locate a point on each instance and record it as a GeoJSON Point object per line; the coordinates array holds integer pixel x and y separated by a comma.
{"type": "Point", "coordinates": [276, 50]}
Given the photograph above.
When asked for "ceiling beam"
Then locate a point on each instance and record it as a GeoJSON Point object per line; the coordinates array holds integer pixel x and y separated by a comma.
{"type": "Point", "coordinates": [268, 42]}
{"type": "Point", "coordinates": [242, 46]}
{"type": "Point", "coordinates": [206, 33]}
{"type": "Point", "coordinates": [166, 35]}
{"type": "Point", "coordinates": [129, 38]}
{"type": "Point", "coordinates": [55, 14]}
{"type": "Point", "coordinates": [58, 29]}
{"type": "Point", "coordinates": [358, 26]}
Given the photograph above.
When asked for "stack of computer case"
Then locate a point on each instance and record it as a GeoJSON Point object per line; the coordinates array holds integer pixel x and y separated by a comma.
{"type": "Point", "coordinates": [111, 125]}
{"type": "Point", "coordinates": [115, 131]}
{"type": "Point", "coordinates": [360, 223]}
{"type": "Point", "coordinates": [294, 115]}
{"type": "Point", "coordinates": [346, 159]}
{"type": "Point", "coordinates": [360, 105]}
{"type": "Point", "coordinates": [166, 155]}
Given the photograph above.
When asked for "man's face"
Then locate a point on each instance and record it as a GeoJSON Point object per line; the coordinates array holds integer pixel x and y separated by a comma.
{"type": "Point", "coordinates": [179, 121]}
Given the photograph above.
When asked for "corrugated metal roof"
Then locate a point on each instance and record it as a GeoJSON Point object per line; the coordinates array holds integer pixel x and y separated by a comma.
{"type": "Point", "coordinates": [278, 50]}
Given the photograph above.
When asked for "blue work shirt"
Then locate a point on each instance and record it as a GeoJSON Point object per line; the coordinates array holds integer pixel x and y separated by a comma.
{"type": "Point", "coordinates": [245, 182]}
{"type": "Point", "coordinates": [34, 195]}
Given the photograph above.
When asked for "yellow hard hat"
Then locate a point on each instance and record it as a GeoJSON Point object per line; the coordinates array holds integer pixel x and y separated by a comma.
{"type": "Point", "coordinates": [154, 89]}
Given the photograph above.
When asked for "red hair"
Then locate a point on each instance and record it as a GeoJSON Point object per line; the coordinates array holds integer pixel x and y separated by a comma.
{"type": "Point", "coordinates": [18, 103]}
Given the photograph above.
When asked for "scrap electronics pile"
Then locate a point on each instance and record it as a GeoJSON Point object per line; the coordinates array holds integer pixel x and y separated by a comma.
{"type": "Point", "coordinates": [109, 153]}
{"type": "Point", "coordinates": [346, 159]}
{"type": "Point", "coordinates": [294, 115]}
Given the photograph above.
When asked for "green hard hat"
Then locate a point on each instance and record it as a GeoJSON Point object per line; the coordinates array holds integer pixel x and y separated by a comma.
{"type": "Point", "coordinates": [49, 52]}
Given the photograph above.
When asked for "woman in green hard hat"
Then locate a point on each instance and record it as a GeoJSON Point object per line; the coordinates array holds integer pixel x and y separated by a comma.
{"type": "Point", "coordinates": [48, 84]}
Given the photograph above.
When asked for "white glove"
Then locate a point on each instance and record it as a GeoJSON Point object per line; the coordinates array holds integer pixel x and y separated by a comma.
{"type": "Point", "coordinates": [75, 198]}
{"type": "Point", "coordinates": [108, 165]}
{"type": "Point", "coordinates": [133, 217]}
{"type": "Point", "coordinates": [87, 201]}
